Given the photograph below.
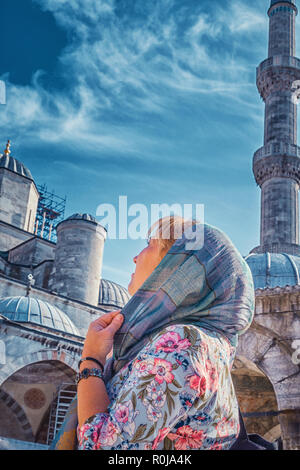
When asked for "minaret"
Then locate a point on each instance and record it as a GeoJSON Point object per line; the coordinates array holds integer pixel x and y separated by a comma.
{"type": "Point", "coordinates": [276, 166]}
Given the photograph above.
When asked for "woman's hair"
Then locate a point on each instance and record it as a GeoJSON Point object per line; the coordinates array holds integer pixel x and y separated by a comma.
{"type": "Point", "coordinates": [168, 229]}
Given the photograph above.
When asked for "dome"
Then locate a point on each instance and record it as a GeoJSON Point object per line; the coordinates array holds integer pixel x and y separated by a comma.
{"type": "Point", "coordinates": [274, 269]}
{"type": "Point", "coordinates": [32, 310]}
{"type": "Point", "coordinates": [87, 217]}
{"type": "Point", "coordinates": [10, 163]}
{"type": "Point", "coordinates": [113, 294]}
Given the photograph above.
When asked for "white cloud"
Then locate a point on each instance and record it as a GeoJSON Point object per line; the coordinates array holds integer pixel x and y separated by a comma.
{"type": "Point", "coordinates": [119, 70]}
{"type": "Point", "coordinates": [244, 18]}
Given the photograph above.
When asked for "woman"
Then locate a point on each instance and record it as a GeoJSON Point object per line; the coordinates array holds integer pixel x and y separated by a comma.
{"type": "Point", "coordinates": [168, 384]}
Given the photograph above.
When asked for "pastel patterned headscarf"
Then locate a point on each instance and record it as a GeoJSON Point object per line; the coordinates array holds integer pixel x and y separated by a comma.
{"type": "Point", "coordinates": [210, 287]}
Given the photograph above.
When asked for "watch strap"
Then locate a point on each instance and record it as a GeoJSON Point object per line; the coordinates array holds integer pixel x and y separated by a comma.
{"type": "Point", "coordinates": [91, 359]}
{"type": "Point", "coordinates": [86, 373]}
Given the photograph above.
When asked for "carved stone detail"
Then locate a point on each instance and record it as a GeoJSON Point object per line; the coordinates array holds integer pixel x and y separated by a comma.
{"type": "Point", "coordinates": [276, 166]}
{"type": "Point", "coordinates": [277, 78]}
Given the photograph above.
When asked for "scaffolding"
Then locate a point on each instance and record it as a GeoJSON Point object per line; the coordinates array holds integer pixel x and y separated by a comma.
{"type": "Point", "coordinates": [59, 407]}
{"type": "Point", "coordinates": [50, 211]}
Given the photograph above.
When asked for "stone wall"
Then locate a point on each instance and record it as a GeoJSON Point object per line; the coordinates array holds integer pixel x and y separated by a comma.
{"type": "Point", "coordinates": [18, 200]}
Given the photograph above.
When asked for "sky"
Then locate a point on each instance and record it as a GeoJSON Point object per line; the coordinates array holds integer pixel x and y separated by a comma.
{"type": "Point", "coordinates": [154, 100]}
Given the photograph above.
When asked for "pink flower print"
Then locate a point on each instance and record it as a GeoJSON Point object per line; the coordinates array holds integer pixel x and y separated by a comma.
{"type": "Point", "coordinates": [95, 434]}
{"type": "Point", "coordinates": [186, 437]}
{"type": "Point", "coordinates": [153, 388]}
{"type": "Point", "coordinates": [125, 417]}
{"type": "Point", "coordinates": [212, 376]}
{"type": "Point", "coordinates": [159, 399]}
{"type": "Point", "coordinates": [153, 414]}
{"type": "Point", "coordinates": [108, 434]}
{"type": "Point", "coordinates": [170, 342]}
{"type": "Point", "coordinates": [223, 428]}
{"type": "Point", "coordinates": [216, 446]}
{"type": "Point", "coordinates": [122, 414]}
{"type": "Point", "coordinates": [162, 371]}
{"type": "Point", "coordinates": [160, 437]}
{"type": "Point", "coordinates": [155, 394]}
{"type": "Point", "coordinates": [198, 383]}
{"type": "Point", "coordinates": [143, 368]}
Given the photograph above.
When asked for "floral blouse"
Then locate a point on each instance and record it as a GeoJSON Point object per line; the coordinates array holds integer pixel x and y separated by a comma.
{"type": "Point", "coordinates": [176, 394]}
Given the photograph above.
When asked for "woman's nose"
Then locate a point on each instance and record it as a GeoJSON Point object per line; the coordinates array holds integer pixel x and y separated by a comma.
{"type": "Point", "coordinates": [134, 259]}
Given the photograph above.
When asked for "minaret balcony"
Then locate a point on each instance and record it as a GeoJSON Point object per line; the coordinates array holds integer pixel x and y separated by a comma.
{"type": "Point", "coordinates": [278, 60]}
{"type": "Point", "coordinates": [277, 159]}
{"type": "Point", "coordinates": [278, 73]}
{"type": "Point", "coordinates": [276, 148]}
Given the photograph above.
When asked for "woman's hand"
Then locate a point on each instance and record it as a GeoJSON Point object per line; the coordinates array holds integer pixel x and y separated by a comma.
{"type": "Point", "coordinates": [99, 339]}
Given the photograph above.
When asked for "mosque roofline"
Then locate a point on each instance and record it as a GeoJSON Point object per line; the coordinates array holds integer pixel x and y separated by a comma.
{"type": "Point", "coordinates": [277, 290]}
{"type": "Point", "coordinates": [28, 233]}
{"type": "Point", "coordinates": [34, 237]}
{"type": "Point", "coordinates": [22, 176]}
{"type": "Point", "coordinates": [26, 327]}
{"type": "Point", "coordinates": [54, 293]}
{"type": "Point", "coordinates": [26, 266]}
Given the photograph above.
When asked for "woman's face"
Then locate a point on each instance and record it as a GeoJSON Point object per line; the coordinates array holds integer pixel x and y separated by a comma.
{"type": "Point", "coordinates": [145, 263]}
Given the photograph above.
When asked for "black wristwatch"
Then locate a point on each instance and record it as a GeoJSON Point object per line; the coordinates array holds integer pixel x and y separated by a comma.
{"type": "Point", "coordinates": [85, 373]}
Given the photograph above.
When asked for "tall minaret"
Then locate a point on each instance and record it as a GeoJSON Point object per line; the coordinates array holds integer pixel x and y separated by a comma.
{"type": "Point", "coordinates": [276, 166]}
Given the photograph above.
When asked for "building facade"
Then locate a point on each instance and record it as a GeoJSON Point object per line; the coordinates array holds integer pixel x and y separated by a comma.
{"type": "Point", "coordinates": [49, 294]}
{"type": "Point", "coordinates": [273, 339]}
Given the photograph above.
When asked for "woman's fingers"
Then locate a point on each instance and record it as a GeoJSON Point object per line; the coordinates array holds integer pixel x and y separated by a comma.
{"type": "Point", "coordinates": [115, 324]}
{"type": "Point", "coordinates": [106, 319]}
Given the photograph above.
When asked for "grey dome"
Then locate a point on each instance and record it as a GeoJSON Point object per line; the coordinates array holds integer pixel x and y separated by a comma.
{"type": "Point", "coordinates": [10, 163]}
{"type": "Point", "coordinates": [29, 309]}
{"type": "Point", "coordinates": [112, 294]}
{"type": "Point", "coordinates": [87, 217]}
{"type": "Point", "coordinates": [274, 269]}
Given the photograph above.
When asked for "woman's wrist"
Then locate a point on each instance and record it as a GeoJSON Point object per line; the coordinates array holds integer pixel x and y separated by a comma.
{"type": "Point", "coordinates": [89, 365]}
{"type": "Point", "coordinates": [89, 361]}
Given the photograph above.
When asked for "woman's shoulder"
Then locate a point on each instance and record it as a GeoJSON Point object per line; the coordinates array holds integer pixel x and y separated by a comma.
{"type": "Point", "coordinates": [186, 338]}
{"type": "Point", "coordinates": [178, 332]}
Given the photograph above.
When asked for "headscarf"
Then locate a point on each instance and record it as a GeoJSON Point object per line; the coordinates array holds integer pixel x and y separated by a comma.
{"type": "Point", "coordinates": [210, 287]}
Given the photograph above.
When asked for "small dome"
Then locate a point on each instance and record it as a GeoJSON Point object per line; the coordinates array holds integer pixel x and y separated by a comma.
{"type": "Point", "coordinates": [31, 310]}
{"type": "Point", "coordinates": [274, 269]}
{"type": "Point", "coordinates": [113, 294]}
{"type": "Point", "coordinates": [10, 163]}
{"type": "Point", "coordinates": [86, 217]}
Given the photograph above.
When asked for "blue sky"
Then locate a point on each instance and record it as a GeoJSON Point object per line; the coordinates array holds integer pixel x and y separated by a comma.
{"type": "Point", "coordinates": [151, 99]}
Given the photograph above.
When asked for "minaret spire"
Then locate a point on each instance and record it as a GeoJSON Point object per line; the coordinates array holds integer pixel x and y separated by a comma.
{"type": "Point", "coordinates": [276, 166]}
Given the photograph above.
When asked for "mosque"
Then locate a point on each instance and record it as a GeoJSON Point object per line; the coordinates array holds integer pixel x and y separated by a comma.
{"type": "Point", "coordinates": [51, 287]}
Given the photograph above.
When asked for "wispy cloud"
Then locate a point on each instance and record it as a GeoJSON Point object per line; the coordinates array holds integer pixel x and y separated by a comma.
{"type": "Point", "coordinates": [124, 63]}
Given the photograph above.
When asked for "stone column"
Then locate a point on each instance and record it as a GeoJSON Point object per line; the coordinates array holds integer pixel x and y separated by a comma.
{"type": "Point", "coordinates": [276, 166]}
{"type": "Point", "coordinates": [279, 212]}
{"type": "Point", "coordinates": [280, 118]}
{"type": "Point", "coordinates": [282, 28]}
{"type": "Point", "coordinates": [78, 258]}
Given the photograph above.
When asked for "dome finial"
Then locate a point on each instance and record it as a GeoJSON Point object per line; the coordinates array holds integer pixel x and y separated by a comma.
{"type": "Point", "coordinates": [7, 149]}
